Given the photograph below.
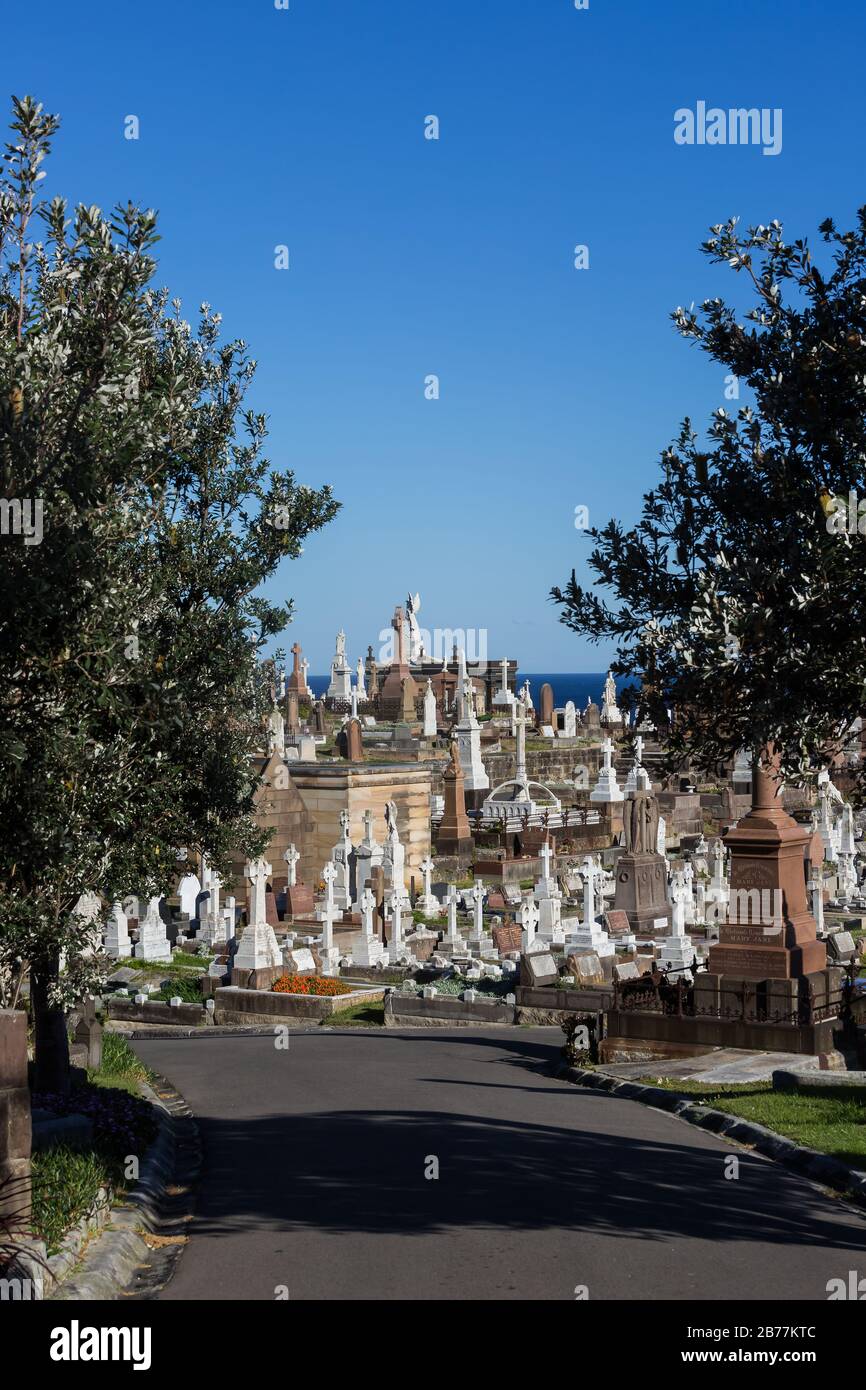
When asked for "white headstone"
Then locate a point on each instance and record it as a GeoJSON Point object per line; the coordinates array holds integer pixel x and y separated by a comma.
{"type": "Point", "coordinates": [152, 941]}
{"type": "Point", "coordinates": [258, 949]}
{"type": "Point", "coordinates": [117, 942]}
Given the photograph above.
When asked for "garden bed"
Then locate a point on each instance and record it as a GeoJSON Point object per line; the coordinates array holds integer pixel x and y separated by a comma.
{"type": "Point", "coordinates": [71, 1185]}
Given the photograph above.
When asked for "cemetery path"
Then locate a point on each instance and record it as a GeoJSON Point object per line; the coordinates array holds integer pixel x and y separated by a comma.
{"type": "Point", "coordinates": [314, 1180]}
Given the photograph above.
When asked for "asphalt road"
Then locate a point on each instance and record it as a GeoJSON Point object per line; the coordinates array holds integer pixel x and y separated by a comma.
{"type": "Point", "coordinates": [314, 1180]}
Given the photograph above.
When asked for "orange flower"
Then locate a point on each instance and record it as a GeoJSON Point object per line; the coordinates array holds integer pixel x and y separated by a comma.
{"type": "Point", "coordinates": [310, 984]}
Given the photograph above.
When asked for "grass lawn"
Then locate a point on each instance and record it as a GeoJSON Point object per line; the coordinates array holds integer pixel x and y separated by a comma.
{"type": "Point", "coordinates": [181, 964]}
{"type": "Point", "coordinates": [833, 1124]}
{"type": "Point", "coordinates": [358, 1016]}
{"type": "Point", "coordinates": [67, 1184]}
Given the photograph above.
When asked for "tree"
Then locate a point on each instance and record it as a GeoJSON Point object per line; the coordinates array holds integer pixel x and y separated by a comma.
{"type": "Point", "coordinates": [738, 598]}
{"type": "Point", "coordinates": [130, 630]}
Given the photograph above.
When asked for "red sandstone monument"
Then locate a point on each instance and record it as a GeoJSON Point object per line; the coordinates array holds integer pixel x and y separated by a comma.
{"type": "Point", "coordinates": [773, 934]}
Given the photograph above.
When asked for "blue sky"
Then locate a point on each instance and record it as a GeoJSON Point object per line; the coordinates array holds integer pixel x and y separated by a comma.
{"type": "Point", "coordinates": [409, 257]}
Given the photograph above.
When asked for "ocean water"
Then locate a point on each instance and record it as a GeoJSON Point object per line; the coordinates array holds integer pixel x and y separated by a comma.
{"type": "Point", "coordinates": [578, 686]}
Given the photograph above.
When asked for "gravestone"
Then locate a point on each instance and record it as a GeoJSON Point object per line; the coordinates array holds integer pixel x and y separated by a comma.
{"type": "Point", "coordinates": [586, 969]}
{"type": "Point", "coordinates": [506, 938]}
{"type": "Point", "coordinates": [422, 943]}
{"type": "Point", "coordinates": [617, 923]}
{"type": "Point", "coordinates": [538, 970]}
{"type": "Point", "coordinates": [840, 945]}
{"type": "Point", "coordinates": [272, 916]}
{"type": "Point", "coordinates": [152, 941]}
{"type": "Point", "coordinates": [88, 1035]}
{"type": "Point", "coordinates": [117, 943]}
{"type": "Point", "coordinates": [349, 742]}
{"type": "Point", "coordinates": [592, 716]}
{"type": "Point", "coordinates": [299, 960]}
{"type": "Point", "coordinates": [545, 706]}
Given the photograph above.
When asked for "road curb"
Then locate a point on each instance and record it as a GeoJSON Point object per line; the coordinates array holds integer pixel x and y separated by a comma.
{"type": "Point", "coordinates": [152, 1032]}
{"type": "Point", "coordinates": [849, 1183]}
{"type": "Point", "coordinates": [111, 1265]}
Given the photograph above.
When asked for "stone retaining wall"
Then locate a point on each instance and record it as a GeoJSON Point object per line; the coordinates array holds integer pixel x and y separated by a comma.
{"type": "Point", "coordinates": [444, 1011]}
{"type": "Point", "coordinates": [247, 1006]}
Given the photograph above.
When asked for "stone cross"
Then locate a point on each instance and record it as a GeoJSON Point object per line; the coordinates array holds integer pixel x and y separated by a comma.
{"type": "Point", "coordinates": [477, 896]}
{"type": "Point", "coordinates": [395, 902]}
{"type": "Point", "coordinates": [258, 872]}
{"type": "Point", "coordinates": [214, 886]}
{"type": "Point", "coordinates": [292, 858]}
{"type": "Point", "coordinates": [679, 892]}
{"type": "Point", "coordinates": [689, 887]}
{"type": "Point", "coordinates": [528, 921]}
{"type": "Point", "coordinates": [328, 911]}
{"type": "Point", "coordinates": [589, 876]}
{"type": "Point", "coordinates": [329, 873]}
{"type": "Point", "coordinates": [427, 867]}
{"type": "Point", "coordinates": [296, 656]}
{"type": "Point", "coordinates": [546, 855]}
{"type": "Point", "coordinates": [607, 750]}
{"type": "Point", "coordinates": [368, 907]}
{"type": "Point", "coordinates": [451, 902]}
{"type": "Point", "coordinates": [368, 827]}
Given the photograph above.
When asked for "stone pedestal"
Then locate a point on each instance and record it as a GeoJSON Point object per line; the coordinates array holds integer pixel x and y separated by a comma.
{"type": "Point", "coordinates": [258, 949]}
{"type": "Point", "coordinates": [770, 933]}
{"type": "Point", "coordinates": [642, 892]}
{"type": "Point", "coordinates": [588, 938]}
{"type": "Point", "coordinates": [117, 943]}
{"type": "Point", "coordinates": [468, 735]}
{"type": "Point", "coordinates": [676, 954]}
{"type": "Point", "coordinates": [369, 950]}
{"type": "Point", "coordinates": [454, 836]}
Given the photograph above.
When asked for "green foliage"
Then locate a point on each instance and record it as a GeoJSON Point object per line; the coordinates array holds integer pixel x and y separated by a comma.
{"type": "Point", "coordinates": [67, 1187]}
{"type": "Point", "coordinates": [181, 964]}
{"type": "Point", "coordinates": [119, 1060]}
{"type": "Point", "coordinates": [187, 990]}
{"type": "Point", "coordinates": [132, 697]}
{"type": "Point", "coordinates": [732, 601]}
